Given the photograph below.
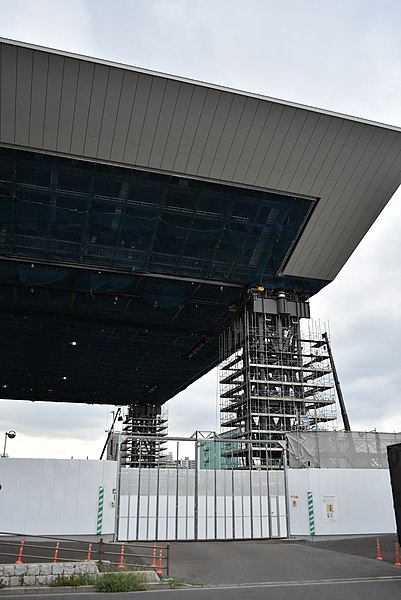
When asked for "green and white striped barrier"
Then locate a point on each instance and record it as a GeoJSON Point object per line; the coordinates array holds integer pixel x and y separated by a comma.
{"type": "Point", "coordinates": [100, 503]}
{"type": "Point", "coordinates": [311, 514]}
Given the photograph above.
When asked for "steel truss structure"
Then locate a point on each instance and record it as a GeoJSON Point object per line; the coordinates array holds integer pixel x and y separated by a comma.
{"type": "Point", "coordinates": [137, 208]}
{"type": "Point", "coordinates": [273, 378]}
{"type": "Point", "coordinates": [144, 420]}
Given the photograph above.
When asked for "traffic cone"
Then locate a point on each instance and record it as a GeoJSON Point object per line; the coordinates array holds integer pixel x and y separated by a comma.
{"type": "Point", "coordinates": [19, 559]}
{"type": "Point", "coordinates": [379, 556]}
{"type": "Point", "coordinates": [160, 568]}
{"type": "Point", "coordinates": [154, 557]}
{"type": "Point", "coordinates": [56, 552]}
{"type": "Point", "coordinates": [89, 551]}
{"type": "Point", "coordinates": [397, 557]}
{"type": "Point", "coordinates": [121, 565]}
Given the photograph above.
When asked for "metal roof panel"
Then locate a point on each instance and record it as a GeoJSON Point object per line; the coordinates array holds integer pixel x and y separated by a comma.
{"type": "Point", "coordinates": [102, 111]}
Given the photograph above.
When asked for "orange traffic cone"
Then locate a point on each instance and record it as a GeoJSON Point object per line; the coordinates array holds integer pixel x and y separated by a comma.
{"type": "Point", "coordinates": [19, 559]}
{"type": "Point", "coordinates": [379, 556]}
{"type": "Point", "coordinates": [153, 565]}
{"type": "Point", "coordinates": [160, 568]}
{"type": "Point", "coordinates": [397, 557]}
{"type": "Point", "coordinates": [56, 552]}
{"type": "Point", "coordinates": [121, 565]}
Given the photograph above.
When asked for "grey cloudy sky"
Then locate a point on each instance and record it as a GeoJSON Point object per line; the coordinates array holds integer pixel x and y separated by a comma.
{"type": "Point", "coordinates": [343, 56]}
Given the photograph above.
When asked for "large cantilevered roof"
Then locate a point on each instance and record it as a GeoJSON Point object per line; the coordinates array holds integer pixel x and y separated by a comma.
{"type": "Point", "coordinates": [136, 208]}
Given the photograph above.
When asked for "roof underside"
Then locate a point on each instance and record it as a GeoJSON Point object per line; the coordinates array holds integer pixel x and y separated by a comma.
{"type": "Point", "coordinates": [115, 283]}
{"type": "Point", "coordinates": [136, 209]}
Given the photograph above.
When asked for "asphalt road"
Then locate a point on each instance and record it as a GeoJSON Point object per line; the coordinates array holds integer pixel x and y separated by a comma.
{"type": "Point", "coordinates": [386, 589]}
{"type": "Point", "coordinates": [227, 563]}
{"type": "Point", "coordinates": [276, 569]}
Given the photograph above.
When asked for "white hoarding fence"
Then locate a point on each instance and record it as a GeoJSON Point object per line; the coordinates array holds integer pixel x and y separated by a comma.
{"type": "Point", "coordinates": [57, 497]}
{"type": "Point", "coordinates": [340, 502]}
{"type": "Point", "coordinates": [195, 499]}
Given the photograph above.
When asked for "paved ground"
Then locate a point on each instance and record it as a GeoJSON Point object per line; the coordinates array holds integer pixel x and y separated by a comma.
{"type": "Point", "coordinates": [227, 563]}
{"type": "Point", "coordinates": [283, 569]}
{"type": "Point", "coordinates": [362, 546]}
{"type": "Point", "coordinates": [351, 590]}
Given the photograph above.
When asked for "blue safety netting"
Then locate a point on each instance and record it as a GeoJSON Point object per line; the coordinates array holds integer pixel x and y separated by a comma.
{"type": "Point", "coordinates": [95, 214]}
{"type": "Point", "coordinates": [116, 283]}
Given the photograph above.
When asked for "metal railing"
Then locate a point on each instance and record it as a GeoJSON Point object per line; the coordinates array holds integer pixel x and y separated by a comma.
{"type": "Point", "coordinates": [20, 548]}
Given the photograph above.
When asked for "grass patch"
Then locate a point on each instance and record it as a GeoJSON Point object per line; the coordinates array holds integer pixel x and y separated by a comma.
{"type": "Point", "coordinates": [173, 582]}
{"type": "Point", "coordinates": [2, 584]}
{"type": "Point", "coordinates": [72, 580]}
{"type": "Point", "coordinates": [120, 582]}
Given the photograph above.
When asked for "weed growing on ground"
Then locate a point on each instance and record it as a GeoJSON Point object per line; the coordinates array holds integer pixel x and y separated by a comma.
{"type": "Point", "coordinates": [72, 580]}
{"type": "Point", "coordinates": [173, 582]}
{"type": "Point", "coordinates": [120, 582]}
{"type": "Point", "coordinates": [2, 584]}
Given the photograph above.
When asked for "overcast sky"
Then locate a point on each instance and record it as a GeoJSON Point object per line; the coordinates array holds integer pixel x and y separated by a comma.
{"type": "Point", "coordinates": [343, 56]}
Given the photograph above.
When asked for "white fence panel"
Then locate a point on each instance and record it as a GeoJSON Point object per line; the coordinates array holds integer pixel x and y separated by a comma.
{"type": "Point", "coordinates": [185, 504]}
{"type": "Point", "coordinates": [345, 501]}
{"type": "Point", "coordinates": [56, 497]}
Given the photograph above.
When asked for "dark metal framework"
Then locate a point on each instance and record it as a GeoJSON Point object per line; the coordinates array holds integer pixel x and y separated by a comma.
{"type": "Point", "coordinates": [145, 420]}
{"type": "Point", "coordinates": [115, 283]}
{"type": "Point", "coordinates": [273, 378]}
{"type": "Point", "coordinates": [71, 211]}
{"type": "Point", "coordinates": [394, 461]}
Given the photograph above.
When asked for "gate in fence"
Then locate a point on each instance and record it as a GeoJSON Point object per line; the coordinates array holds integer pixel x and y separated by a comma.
{"type": "Point", "coordinates": [206, 497]}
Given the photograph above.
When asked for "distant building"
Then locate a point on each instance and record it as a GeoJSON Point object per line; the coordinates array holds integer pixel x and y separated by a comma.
{"type": "Point", "coordinates": [169, 462]}
{"type": "Point", "coordinates": [216, 454]}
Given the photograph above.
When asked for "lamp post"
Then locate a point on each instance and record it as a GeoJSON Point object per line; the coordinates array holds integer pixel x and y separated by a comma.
{"type": "Point", "coordinates": [8, 434]}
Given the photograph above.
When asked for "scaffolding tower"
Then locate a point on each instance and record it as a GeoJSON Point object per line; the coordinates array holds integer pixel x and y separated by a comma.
{"type": "Point", "coordinates": [273, 378]}
{"type": "Point", "coordinates": [147, 420]}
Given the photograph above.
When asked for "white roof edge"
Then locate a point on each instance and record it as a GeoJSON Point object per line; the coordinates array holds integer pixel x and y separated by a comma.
{"type": "Point", "coordinates": [221, 88]}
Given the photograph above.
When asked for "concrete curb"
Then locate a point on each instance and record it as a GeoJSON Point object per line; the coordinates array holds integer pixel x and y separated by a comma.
{"type": "Point", "coordinates": [29, 591]}
{"type": "Point", "coordinates": [81, 589]}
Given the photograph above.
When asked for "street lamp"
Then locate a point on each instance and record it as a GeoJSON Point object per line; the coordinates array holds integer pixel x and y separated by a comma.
{"type": "Point", "coordinates": [8, 434]}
